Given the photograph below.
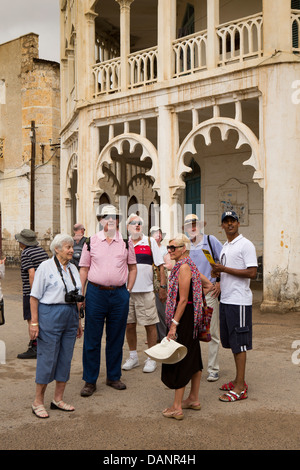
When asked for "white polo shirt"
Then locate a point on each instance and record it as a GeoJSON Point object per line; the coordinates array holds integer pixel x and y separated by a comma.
{"type": "Point", "coordinates": [145, 255]}
{"type": "Point", "coordinates": [240, 253]}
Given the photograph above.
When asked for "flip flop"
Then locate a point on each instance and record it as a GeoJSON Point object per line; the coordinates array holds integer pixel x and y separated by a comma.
{"type": "Point", "coordinates": [233, 396]}
{"type": "Point", "coordinates": [230, 386]}
{"type": "Point", "coordinates": [60, 405]}
{"type": "Point", "coordinates": [39, 411]}
{"type": "Point", "coordinates": [191, 406]}
{"type": "Point", "coordinates": [173, 414]}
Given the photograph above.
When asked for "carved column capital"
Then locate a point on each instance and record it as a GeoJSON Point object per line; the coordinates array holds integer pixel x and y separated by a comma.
{"type": "Point", "coordinates": [124, 3]}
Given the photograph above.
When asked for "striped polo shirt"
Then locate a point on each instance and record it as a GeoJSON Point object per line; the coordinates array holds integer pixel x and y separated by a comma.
{"type": "Point", "coordinates": [31, 257]}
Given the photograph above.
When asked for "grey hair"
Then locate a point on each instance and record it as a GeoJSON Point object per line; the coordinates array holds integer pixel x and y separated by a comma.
{"type": "Point", "coordinates": [133, 216]}
{"type": "Point", "coordinates": [59, 240]}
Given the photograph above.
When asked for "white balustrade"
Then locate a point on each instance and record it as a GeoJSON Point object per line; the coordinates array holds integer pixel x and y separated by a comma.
{"type": "Point", "coordinates": [143, 67]}
{"type": "Point", "coordinates": [190, 53]}
{"type": "Point", "coordinates": [241, 39]}
{"type": "Point", "coordinates": [107, 76]}
{"type": "Point", "coordinates": [295, 19]}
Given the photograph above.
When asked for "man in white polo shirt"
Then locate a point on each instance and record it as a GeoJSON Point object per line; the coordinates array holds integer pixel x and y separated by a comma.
{"type": "Point", "coordinates": [238, 265]}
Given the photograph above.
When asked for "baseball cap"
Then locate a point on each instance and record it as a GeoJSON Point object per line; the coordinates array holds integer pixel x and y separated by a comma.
{"type": "Point", "coordinates": [230, 214]}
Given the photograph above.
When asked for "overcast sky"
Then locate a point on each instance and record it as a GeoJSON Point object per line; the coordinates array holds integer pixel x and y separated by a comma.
{"type": "Point", "coordinates": [19, 17]}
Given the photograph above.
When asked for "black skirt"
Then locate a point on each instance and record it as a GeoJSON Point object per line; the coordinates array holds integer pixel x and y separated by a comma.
{"type": "Point", "coordinates": [178, 375]}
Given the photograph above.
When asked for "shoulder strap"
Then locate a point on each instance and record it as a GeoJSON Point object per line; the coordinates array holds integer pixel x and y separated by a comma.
{"type": "Point", "coordinates": [210, 247]}
{"type": "Point", "coordinates": [88, 243]}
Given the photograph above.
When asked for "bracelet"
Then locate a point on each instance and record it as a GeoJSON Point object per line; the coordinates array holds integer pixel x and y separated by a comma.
{"type": "Point", "coordinates": [175, 322]}
{"type": "Point", "coordinates": [34, 324]}
{"type": "Point", "coordinates": [163, 287]}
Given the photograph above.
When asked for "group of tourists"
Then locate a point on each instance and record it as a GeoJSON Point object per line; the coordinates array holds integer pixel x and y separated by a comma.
{"type": "Point", "coordinates": [117, 284]}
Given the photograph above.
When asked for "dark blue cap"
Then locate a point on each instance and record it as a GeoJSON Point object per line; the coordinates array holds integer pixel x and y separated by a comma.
{"type": "Point", "coordinates": [230, 214]}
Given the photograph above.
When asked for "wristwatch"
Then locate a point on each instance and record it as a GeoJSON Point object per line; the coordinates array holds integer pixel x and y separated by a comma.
{"type": "Point", "coordinates": [163, 287]}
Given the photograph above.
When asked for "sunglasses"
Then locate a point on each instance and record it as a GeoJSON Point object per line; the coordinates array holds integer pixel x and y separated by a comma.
{"type": "Point", "coordinates": [134, 222]}
{"type": "Point", "coordinates": [111, 216]}
{"type": "Point", "coordinates": [172, 248]}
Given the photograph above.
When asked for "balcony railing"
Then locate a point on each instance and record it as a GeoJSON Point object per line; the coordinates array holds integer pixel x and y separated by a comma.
{"type": "Point", "coordinates": [239, 41]}
{"type": "Point", "coordinates": [143, 67]}
{"type": "Point", "coordinates": [190, 54]}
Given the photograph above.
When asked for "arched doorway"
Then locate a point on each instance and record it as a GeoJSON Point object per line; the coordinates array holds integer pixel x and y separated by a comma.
{"type": "Point", "coordinates": [193, 188]}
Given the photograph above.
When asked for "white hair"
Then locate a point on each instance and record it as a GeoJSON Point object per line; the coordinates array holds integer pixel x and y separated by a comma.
{"type": "Point", "coordinates": [59, 240]}
{"type": "Point", "coordinates": [133, 216]}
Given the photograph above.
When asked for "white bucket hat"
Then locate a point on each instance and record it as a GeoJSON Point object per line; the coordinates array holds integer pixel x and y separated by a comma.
{"type": "Point", "coordinates": [168, 352]}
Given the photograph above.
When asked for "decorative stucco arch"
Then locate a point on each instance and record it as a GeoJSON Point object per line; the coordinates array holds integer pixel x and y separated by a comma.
{"type": "Point", "coordinates": [245, 136]}
{"type": "Point", "coordinates": [73, 162]}
{"type": "Point", "coordinates": [148, 150]}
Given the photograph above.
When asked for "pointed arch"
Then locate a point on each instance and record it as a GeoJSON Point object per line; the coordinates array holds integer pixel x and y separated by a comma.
{"type": "Point", "coordinates": [225, 125]}
{"type": "Point", "coordinates": [148, 150]}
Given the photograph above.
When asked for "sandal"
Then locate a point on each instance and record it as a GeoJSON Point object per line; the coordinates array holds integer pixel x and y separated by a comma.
{"type": "Point", "coordinates": [233, 396]}
{"type": "Point", "coordinates": [230, 386]}
{"type": "Point", "coordinates": [191, 406]}
{"type": "Point", "coordinates": [39, 411]}
{"type": "Point", "coordinates": [176, 414]}
{"type": "Point", "coordinates": [60, 405]}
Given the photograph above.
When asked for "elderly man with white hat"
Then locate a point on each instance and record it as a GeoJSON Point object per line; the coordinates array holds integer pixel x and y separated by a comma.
{"type": "Point", "coordinates": [107, 264]}
{"type": "Point", "coordinates": [31, 257]}
{"type": "Point", "coordinates": [199, 241]}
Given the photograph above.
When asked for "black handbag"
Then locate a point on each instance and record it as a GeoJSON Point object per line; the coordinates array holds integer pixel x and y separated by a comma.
{"type": "Point", "coordinates": [2, 319]}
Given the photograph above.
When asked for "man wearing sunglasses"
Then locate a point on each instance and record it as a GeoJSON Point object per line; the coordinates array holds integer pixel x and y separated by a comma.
{"type": "Point", "coordinates": [142, 305]}
{"type": "Point", "coordinates": [199, 241]}
{"type": "Point", "coordinates": [107, 263]}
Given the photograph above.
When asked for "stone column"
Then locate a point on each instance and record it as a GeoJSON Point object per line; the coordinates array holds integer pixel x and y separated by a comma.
{"type": "Point", "coordinates": [167, 148]}
{"type": "Point", "coordinates": [124, 41]}
{"type": "Point", "coordinates": [166, 13]}
{"type": "Point", "coordinates": [212, 48]}
{"type": "Point", "coordinates": [277, 26]}
{"type": "Point", "coordinates": [281, 141]}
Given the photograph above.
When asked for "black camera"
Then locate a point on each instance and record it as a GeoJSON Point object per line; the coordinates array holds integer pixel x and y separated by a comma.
{"type": "Point", "coordinates": [73, 297]}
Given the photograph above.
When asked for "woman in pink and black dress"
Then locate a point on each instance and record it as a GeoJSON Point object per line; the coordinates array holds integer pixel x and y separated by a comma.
{"type": "Point", "coordinates": [183, 318]}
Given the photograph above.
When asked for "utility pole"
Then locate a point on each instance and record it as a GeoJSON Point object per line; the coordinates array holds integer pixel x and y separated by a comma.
{"type": "Point", "coordinates": [32, 175]}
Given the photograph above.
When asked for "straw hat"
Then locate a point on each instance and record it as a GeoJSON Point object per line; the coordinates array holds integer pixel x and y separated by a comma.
{"type": "Point", "coordinates": [155, 228]}
{"type": "Point", "coordinates": [168, 352]}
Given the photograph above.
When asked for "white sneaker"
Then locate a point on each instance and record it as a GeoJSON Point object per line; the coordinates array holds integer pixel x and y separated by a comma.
{"type": "Point", "coordinates": [213, 376]}
{"type": "Point", "coordinates": [149, 366]}
{"type": "Point", "coordinates": [130, 363]}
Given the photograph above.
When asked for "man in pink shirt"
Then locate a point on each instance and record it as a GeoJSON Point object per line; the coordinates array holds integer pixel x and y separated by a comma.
{"type": "Point", "coordinates": [107, 263]}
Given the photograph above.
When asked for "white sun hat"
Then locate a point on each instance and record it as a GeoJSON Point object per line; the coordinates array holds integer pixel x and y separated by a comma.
{"type": "Point", "coordinates": [168, 352]}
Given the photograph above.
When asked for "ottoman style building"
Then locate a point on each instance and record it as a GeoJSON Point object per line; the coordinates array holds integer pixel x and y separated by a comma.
{"type": "Point", "coordinates": [178, 106]}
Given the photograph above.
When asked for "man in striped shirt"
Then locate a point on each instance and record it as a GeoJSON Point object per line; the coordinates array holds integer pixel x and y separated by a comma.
{"type": "Point", "coordinates": [31, 257]}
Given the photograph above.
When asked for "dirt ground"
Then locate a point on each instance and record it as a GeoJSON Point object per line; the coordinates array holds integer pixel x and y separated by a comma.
{"type": "Point", "coordinates": [131, 420]}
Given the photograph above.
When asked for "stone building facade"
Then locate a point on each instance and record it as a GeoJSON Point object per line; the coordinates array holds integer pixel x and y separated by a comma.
{"type": "Point", "coordinates": [29, 128]}
{"type": "Point", "coordinates": [170, 106]}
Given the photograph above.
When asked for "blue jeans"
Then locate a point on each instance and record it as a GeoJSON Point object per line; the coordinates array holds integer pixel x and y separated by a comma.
{"type": "Point", "coordinates": [109, 307]}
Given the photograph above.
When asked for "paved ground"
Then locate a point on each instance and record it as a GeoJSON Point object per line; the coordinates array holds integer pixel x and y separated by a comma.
{"type": "Point", "coordinates": [131, 420]}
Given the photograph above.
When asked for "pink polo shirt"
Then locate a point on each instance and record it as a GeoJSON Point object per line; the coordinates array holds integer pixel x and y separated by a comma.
{"type": "Point", "coordinates": [108, 262]}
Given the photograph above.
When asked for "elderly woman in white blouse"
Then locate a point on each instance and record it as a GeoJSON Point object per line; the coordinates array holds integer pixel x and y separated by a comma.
{"type": "Point", "coordinates": [55, 322]}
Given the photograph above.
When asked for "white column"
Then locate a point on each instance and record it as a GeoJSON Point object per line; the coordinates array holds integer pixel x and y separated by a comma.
{"type": "Point", "coordinates": [167, 149]}
{"type": "Point", "coordinates": [213, 19]}
{"type": "Point", "coordinates": [277, 28]}
{"type": "Point", "coordinates": [281, 141]}
{"type": "Point", "coordinates": [166, 26]}
{"type": "Point", "coordinates": [124, 41]}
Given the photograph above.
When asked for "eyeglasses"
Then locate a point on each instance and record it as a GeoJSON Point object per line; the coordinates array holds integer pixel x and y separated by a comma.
{"type": "Point", "coordinates": [172, 248]}
{"type": "Point", "coordinates": [135, 222]}
{"type": "Point", "coordinates": [110, 216]}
